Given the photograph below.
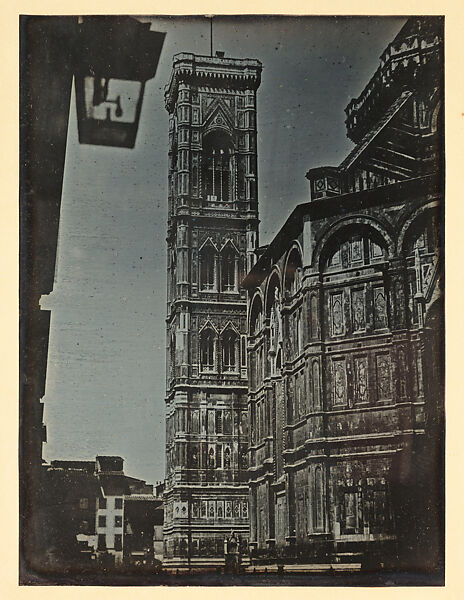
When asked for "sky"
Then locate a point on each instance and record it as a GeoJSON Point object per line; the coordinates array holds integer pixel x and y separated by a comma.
{"type": "Point", "coordinates": [106, 366]}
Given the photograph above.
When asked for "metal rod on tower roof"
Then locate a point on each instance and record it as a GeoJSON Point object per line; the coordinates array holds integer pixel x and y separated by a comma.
{"type": "Point", "coordinates": [211, 36]}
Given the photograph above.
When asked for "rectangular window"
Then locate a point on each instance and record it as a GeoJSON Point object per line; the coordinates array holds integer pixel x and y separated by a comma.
{"type": "Point", "coordinates": [102, 521]}
{"type": "Point", "coordinates": [118, 521]}
{"type": "Point", "coordinates": [102, 503]}
{"type": "Point", "coordinates": [101, 541]}
{"type": "Point", "coordinates": [84, 503]}
{"type": "Point", "coordinates": [118, 541]}
{"type": "Point", "coordinates": [118, 503]}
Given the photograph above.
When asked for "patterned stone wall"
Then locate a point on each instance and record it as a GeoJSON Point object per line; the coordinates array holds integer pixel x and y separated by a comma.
{"type": "Point", "coordinates": [212, 235]}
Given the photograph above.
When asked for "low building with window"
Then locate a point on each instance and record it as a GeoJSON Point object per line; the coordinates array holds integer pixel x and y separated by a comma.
{"type": "Point", "coordinates": [97, 515]}
{"type": "Point", "coordinates": [345, 321]}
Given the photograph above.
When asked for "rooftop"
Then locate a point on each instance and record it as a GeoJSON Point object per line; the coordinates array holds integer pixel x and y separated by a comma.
{"type": "Point", "coordinates": [410, 58]}
{"type": "Point", "coordinates": [217, 71]}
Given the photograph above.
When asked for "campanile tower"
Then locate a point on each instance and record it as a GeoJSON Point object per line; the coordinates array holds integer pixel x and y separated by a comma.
{"type": "Point", "coordinates": [212, 236]}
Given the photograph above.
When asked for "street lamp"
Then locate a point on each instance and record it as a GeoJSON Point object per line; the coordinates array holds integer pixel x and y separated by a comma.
{"type": "Point", "coordinates": [114, 58]}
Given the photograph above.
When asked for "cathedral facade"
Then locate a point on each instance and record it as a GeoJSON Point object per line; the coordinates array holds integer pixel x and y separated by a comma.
{"type": "Point", "coordinates": [345, 324]}
{"type": "Point", "coordinates": [212, 237]}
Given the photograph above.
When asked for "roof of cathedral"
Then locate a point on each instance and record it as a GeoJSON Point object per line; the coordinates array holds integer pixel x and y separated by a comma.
{"type": "Point", "coordinates": [414, 56]}
{"type": "Point", "coordinates": [375, 130]}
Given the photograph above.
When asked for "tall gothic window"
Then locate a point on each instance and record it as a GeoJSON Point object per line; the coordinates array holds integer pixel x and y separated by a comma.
{"type": "Point", "coordinates": [207, 268]}
{"type": "Point", "coordinates": [216, 166]}
{"type": "Point", "coordinates": [207, 342]}
{"type": "Point", "coordinates": [228, 263]}
{"type": "Point", "coordinates": [229, 347]}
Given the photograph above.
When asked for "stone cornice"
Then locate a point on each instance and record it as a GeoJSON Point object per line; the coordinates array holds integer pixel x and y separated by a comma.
{"type": "Point", "coordinates": [216, 72]}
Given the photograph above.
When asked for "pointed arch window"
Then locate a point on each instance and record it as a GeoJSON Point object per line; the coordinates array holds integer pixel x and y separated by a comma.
{"type": "Point", "coordinates": [217, 166]}
{"type": "Point", "coordinates": [207, 350]}
{"type": "Point", "coordinates": [229, 264]}
{"type": "Point", "coordinates": [208, 268]}
{"type": "Point", "coordinates": [229, 351]}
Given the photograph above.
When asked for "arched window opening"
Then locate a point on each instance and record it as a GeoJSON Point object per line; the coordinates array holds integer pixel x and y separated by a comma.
{"type": "Point", "coordinates": [229, 263]}
{"type": "Point", "coordinates": [207, 268]}
{"type": "Point", "coordinates": [293, 272]}
{"type": "Point", "coordinates": [207, 350]}
{"type": "Point", "coordinates": [217, 166]}
{"type": "Point", "coordinates": [229, 351]}
{"type": "Point", "coordinates": [256, 317]}
{"type": "Point", "coordinates": [354, 249]}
